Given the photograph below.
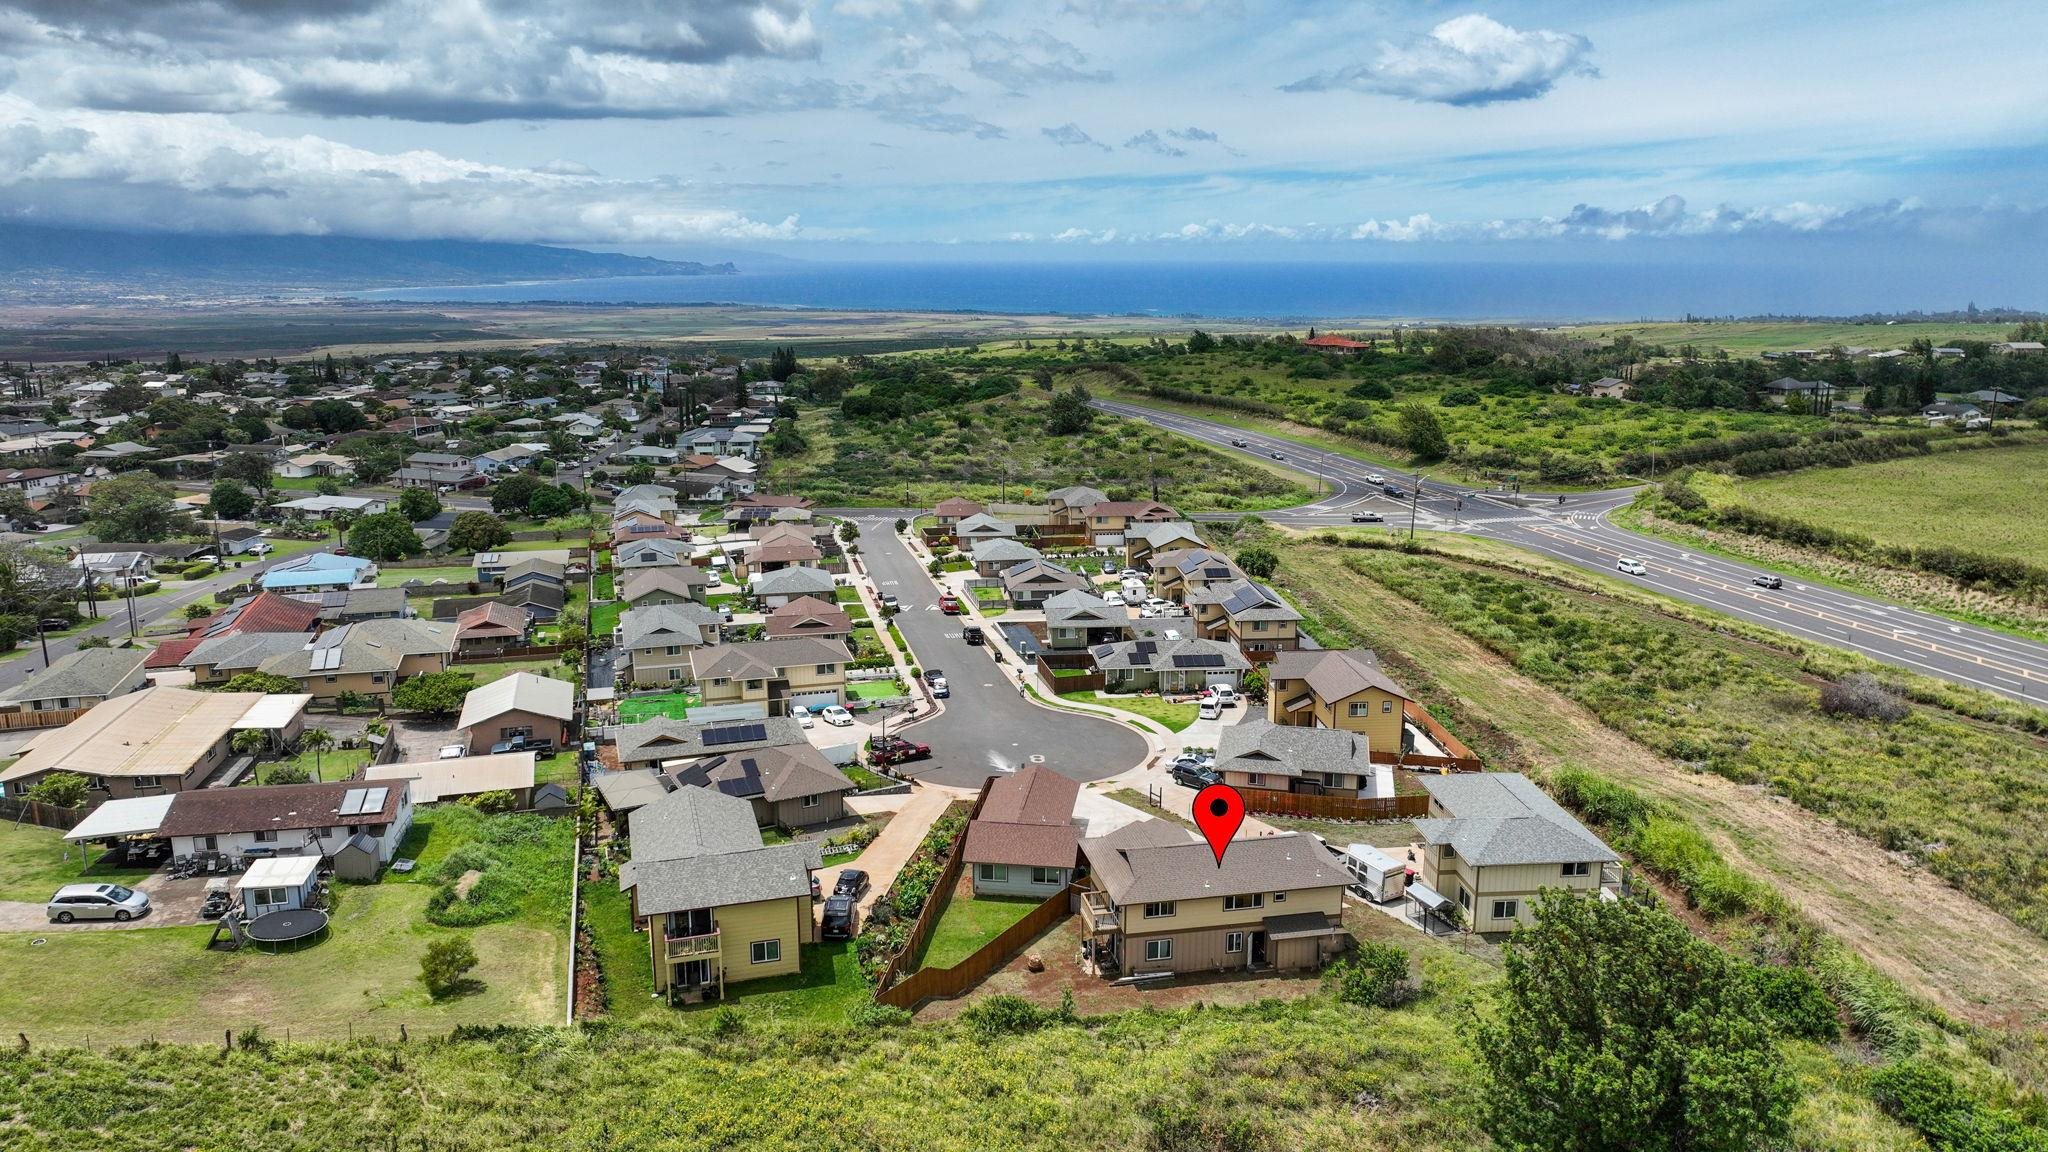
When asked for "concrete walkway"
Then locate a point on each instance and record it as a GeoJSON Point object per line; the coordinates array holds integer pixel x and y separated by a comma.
{"type": "Point", "coordinates": [884, 858]}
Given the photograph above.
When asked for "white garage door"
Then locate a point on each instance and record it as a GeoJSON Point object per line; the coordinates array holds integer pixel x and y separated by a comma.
{"type": "Point", "coordinates": [815, 700]}
{"type": "Point", "coordinates": [1215, 678]}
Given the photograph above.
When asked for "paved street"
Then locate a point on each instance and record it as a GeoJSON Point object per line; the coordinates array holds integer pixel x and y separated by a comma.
{"type": "Point", "coordinates": [987, 726]}
{"type": "Point", "coordinates": [1578, 533]}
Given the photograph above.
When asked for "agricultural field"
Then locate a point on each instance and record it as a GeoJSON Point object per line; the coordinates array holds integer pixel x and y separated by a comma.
{"type": "Point", "coordinates": [1982, 501]}
{"type": "Point", "coordinates": [1745, 338]}
{"type": "Point", "coordinates": [999, 449]}
{"type": "Point", "coordinates": [1539, 436]}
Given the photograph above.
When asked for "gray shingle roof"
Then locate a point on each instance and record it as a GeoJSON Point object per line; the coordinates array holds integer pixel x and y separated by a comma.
{"type": "Point", "coordinates": [1134, 872]}
{"type": "Point", "coordinates": [1281, 750]}
{"type": "Point", "coordinates": [1004, 551]}
{"type": "Point", "coordinates": [774, 774]}
{"type": "Point", "coordinates": [1075, 608]}
{"type": "Point", "coordinates": [765, 659]}
{"type": "Point", "coordinates": [697, 848]}
{"type": "Point", "coordinates": [368, 646]}
{"type": "Point", "coordinates": [86, 672]}
{"type": "Point", "coordinates": [792, 582]}
{"type": "Point", "coordinates": [1160, 655]}
{"type": "Point", "coordinates": [1503, 818]}
{"type": "Point", "coordinates": [1159, 535]}
{"type": "Point", "coordinates": [241, 651]}
{"type": "Point", "coordinates": [687, 623]}
{"type": "Point", "coordinates": [665, 739]}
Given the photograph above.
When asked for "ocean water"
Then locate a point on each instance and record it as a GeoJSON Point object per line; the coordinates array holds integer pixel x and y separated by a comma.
{"type": "Point", "coordinates": [1534, 292]}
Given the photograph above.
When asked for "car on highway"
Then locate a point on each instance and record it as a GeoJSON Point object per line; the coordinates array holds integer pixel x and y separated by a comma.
{"type": "Point", "coordinates": [1192, 775]}
{"type": "Point", "coordinates": [841, 919]}
{"type": "Point", "coordinates": [1210, 709]}
{"type": "Point", "coordinates": [1772, 582]}
{"type": "Point", "coordinates": [1631, 565]}
{"type": "Point", "coordinates": [1375, 478]}
{"type": "Point", "coordinates": [852, 882]}
{"type": "Point", "coordinates": [897, 750]}
{"type": "Point", "coordinates": [97, 902]}
{"type": "Point", "coordinates": [1276, 455]}
{"type": "Point", "coordinates": [1367, 518]}
{"type": "Point", "coordinates": [1394, 490]}
{"type": "Point", "coordinates": [949, 604]}
{"type": "Point", "coordinates": [1239, 442]}
{"type": "Point", "coordinates": [836, 716]}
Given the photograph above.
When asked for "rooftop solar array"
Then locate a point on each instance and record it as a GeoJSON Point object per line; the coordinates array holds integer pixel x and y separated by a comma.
{"type": "Point", "coordinates": [736, 734]}
{"type": "Point", "coordinates": [1198, 660]}
{"type": "Point", "coordinates": [362, 801]}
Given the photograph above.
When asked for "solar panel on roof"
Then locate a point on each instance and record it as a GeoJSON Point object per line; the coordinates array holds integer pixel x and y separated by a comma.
{"type": "Point", "coordinates": [1198, 660]}
{"type": "Point", "coordinates": [352, 801]}
{"type": "Point", "coordinates": [373, 800]}
{"type": "Point", "coordinates": [1146, 648]}
{"type": "Point", "coordinates": [738, 733]}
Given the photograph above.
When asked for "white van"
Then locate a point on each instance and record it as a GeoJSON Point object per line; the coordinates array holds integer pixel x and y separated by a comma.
{"type": "Point", "coordinates": [1135, 592]}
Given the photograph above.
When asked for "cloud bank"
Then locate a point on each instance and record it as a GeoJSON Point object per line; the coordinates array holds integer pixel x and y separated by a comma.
{"type": "Point", "coordinates": [1467, 61]}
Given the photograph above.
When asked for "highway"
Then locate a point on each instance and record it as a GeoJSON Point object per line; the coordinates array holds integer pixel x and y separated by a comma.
{"type": "Point", "coordinates": [1578, 532]}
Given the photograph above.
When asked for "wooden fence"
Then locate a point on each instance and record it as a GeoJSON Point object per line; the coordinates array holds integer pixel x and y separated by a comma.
{"type": "Point", "coordinates": [57, 718]}
{"type": "Point", "coordinates": [946, 983]}
{"type": "Point", "coordinates": [935, 904]}
{"type": "Point", "coordinates": [1267, 802]}
{"type": "Point", "coordinates": [41, 815]}
{"type": "Point", "coordinates": [1461, 758]}
{"type": "Point", "coordinates": [507, 654]}
{"type": "Point", "coordinates": [1055, 683]}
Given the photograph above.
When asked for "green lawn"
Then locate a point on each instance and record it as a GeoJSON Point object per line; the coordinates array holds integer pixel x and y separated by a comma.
{"type": "Point", "coordinates": [864, 778]}
{"type": "Point", "coordinates": [623, 958]}
{"type": "Point", "coordinates": [827, 988]}
{"type": "Point", "coordinates": [393, 577]}
{"type": "Point", "coordinates": [875, 690]}
{"type": "Point", "coordinates": [35, 862]}
{"type": "Point", "coordinates": [1963, 500]}
{"type": "Point", "coordinates": [552, 668]}
{"type": "Point", "coordinates": [674, 705]}
{"type": "Point", "coordinates": [332, 764]}
{"type": "Point", "coordinates": [967, 924]}
{"type": "Point", "coordinates": [606, 586]}
{"type": "Point", "coordinates": [605, 617]}
{"type": "Point", "coordinates": [1174, 716]}
{"type": "Point", "coordinates": [559, 768]}
{"type": "Point", "coordinates": [364, 973]}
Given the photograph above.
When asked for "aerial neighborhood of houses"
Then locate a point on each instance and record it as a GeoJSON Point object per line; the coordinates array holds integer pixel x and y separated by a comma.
{"type": "Point", "coordinates": [292, 632]}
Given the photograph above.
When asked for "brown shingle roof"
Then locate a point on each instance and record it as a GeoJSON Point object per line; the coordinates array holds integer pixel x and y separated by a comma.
{"type": "Point", "coordinates": [281, 807]}
{"type": "Point", "coordinates": [1335, 675]}
{"type": "Point", "coordinates": [1035, 795]}
{"type": "Point", "coordinates": [1138, 873]}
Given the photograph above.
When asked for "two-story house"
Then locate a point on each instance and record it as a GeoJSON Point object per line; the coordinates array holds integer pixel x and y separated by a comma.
{"type": "Point", "coordinates": [1493, 842]}
{"type": "Point", "coordinates": [1157, 900]}
{"type": "Point", "coordinates": [1032, 583]}
{"type": "Point", "coordinates": [779, 674]}
{"type": "Point", "coordinates": [1344, 689]}
{"type": "Point", "coordinates": [1248, 614]}
{"type": "Point", "coordinates": [659, 641]}
{"type": "Point", "coordinates": [1144, 541]}
{"type": "Point", "coordinates": [1067, 508]}
{"type": "Point", "coordinates": [1107, 522]}
{"type": "Point", "coordinates": [1182, 573]}
{"type": "Point", "coordinates": [991, 558]}
{"type": "Point", "coordinates": [719, 906]}
{"type": "Point", "coordinates": [649, 587]}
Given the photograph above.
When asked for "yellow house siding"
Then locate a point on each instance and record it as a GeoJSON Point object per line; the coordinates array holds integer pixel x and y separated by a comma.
{"type": "Point", "coordinates": [740, 925]}
{"type": "Point", "coordinates": [1189, 915]}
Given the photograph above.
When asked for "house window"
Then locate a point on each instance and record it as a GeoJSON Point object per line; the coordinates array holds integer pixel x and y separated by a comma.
{"type": "Point", "coordinates": [1464, 898]}
{"type": "Point", "coordinates": [765, 951]}
{"type": "Point", "coordinates": [1048, 875]}
{"type": "Point", "coordinates": [1159, 911]}
{"type": "Point", "coordinates": [1158, 949]}
{"type": "Point", "coordinates": [995, 873]}
{"type": "Point", "coordinates": [1279, 897]}
{"type": "Point", "coordinates": [330, 679]}
{"type": "Point", "coordinates": [266, 836]}
{"type": "Point", "coordinates": [827, 669]}
{"type": "Point", "coordinates": [1242, 903]}
{"type": "Point", "coordinates": [96, 783]}
{"type": "Point", "coordinates": [377, 678]}
{"type": "Point", "coordinates": [1361, 708]}
{"type": "Point", "coordinates": [519, 733]}
{"type": "Point", "coordinates": [147, 782]}
{"type": "Point", "coordinates": [1255, 780]}
{"type": "Point", "coordinates": [675, 673]}
{"type": "Point", "coordinates": [1258, 625]}
{"type": "Point", "coordinates": [810, 802]}
{"type": "Point", "coordinates": [1505, 909]}
{"type": "Point", "coordinates": [673, 650]}
{"type": "Point", "coordinates": [1386, 705]}
{"type": "Point", "coordinates": [1332, 780]}
{"type": "Point", "coordinates": [267, 896]}
{"type": "Point", "coordinates": [1233, 941]}
{"type": "Point", "coordinates": [1450, 853]}
{"type": "Point", "coordinates": [1579, 869]}
{"type": "Point", "coordinates": [212, 843]}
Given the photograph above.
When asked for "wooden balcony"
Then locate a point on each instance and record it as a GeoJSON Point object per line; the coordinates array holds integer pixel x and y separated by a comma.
{"type": "Point", "coordinates": [690, 947]}
{"type": "Point", "coordinates": [1099, 914]}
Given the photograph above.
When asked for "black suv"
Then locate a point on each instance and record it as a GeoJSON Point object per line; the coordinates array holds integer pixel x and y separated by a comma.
{"type": "Point", "coordinates": [1194, 776]}
{"type": "Point", "coordinates": [852, 882]}
{"type": "Point", "coordinates": [842, 918]}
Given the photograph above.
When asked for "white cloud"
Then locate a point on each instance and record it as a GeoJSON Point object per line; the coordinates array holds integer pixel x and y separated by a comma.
{"type": "Point", "coordinates": [202, 173]}
{"type": "Point", "coordinates": [1467, 60]}
{"type": "Point", "coordinates": [1070, 135]}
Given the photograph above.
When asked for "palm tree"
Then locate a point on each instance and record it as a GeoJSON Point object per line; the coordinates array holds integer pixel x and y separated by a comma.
{"type": "Point", "coordinates": [249, 742]}
{"type": "Point", "coordinates": [319, 740]}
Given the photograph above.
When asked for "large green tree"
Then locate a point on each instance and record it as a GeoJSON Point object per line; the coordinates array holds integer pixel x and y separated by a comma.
{"type": "Point", "coordinates": [419, 504]}
{"type": "Point", "coordinates": [265, 682]}
{"type": "Point", "coordinates": [385, 536]}
{"type": "Point", "coordinates": [553, 501]}
{"type": "Point", "coordinates": [434, 693]}
{"type": "Point", "coordinates": [1423, 433]}
{"type": "Point", "coordinates": [1618, 1029]}
{"type": "Point", "coordinates": [477, 532]}
{"type": "Point", "coordinates": [230, 500]}
{"type": "Point", "coordinates": [1069, 413]}
{"type": "Point", "coordinates": [513, 493]}
{"type": "Point", "coordinates": [134, 507]}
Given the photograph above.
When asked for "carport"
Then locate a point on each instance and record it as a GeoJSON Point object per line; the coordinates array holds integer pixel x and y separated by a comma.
{"type": "Point", "coordinates": [135, 818]}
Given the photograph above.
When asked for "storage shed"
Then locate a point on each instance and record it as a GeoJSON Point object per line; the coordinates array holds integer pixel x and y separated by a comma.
{"type": "Point", "coordinates": [278, 884]}
{"type": "Point", "coordinates": [357, 859]}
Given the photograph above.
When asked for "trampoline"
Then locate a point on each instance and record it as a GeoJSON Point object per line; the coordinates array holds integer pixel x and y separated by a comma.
{"type": "Point", "coordinates": [290, 926]}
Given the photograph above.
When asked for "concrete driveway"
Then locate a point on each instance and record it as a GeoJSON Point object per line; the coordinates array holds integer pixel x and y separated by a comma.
{"type": "Point", "coordinates": [171, 903]}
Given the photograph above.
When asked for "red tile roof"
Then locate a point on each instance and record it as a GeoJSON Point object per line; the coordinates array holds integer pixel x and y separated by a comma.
{"type": "Point", "coordinates": [1333, 342]}
{"type": "Point", "coordinates": [171, 653]}
{"type": "Point", "coordinates": [265, 612]}
{"type": "Point", "coordinates": [492, 615]}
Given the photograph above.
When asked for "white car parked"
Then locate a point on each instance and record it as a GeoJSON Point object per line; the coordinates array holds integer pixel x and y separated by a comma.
{"type": "Point", "coordinates": [1224, 694]}
{"type": "Point", "coordinates": [1210, 709]}
{"type": "Point", "coordinates": [804, 719]}
{"type": "Point", "coordinates": [836, 716]}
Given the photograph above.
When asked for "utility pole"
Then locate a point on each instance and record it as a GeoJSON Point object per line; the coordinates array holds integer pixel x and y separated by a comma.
{"type": "Point", "coordinates": [134, 629]}
{"type": "Point", "coordinates": [1414, 500]}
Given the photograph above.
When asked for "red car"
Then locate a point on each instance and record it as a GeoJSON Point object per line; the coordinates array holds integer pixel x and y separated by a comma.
{"type": "Point", "coordinates": [949, 604]}
{"type": "Point", "coordinates": [896, 750]}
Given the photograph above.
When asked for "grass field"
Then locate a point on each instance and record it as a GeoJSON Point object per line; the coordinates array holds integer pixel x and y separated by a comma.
{"type": "Point", "coordinates": [553, 668]}
{"type": "Point", "coordinates": [604, 618]}
{"type": "Point", "coordinates": [1981, 501]}
{"type": "Point", "coordinates": [875, 690]}
{"type": "Point", "coordinates": [35, 862]}
{"type": "Point", "coordinates": [328, 764]}
{"type": "Point", "coordinates": [674, 705]}
{"type": "Point", "coordinates": [970, 922]}
{"type": "Point", "coordinates": [393, 577]}
{"type": "Point", "coordinates": [968, 452]}
{"type": "Point", "coordinates": [1745, 338]}
{"type": "Point", "coordinates": [364, 974]}
{"type": "Point", "coordinates": [1174, 716]}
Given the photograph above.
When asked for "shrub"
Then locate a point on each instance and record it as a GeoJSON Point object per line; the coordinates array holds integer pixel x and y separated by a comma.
{"type": "Point", "coordinates": [1930, 1099]}
{"type": "Point", "coordinates": [868, 1014]}
{"type": "Point", "coordinates": [1374, 976]}
{"type": "Point", "coordinates": [287, 774]}
{"type": "Point", "coordinates": [1862, 694]}
{"type": "Point", "coordinates": [1005, 1015]}
{"type": "Point", "coordinates": [727, 1021]}
{"type": "Point", "coordinates": [59, 789]}
{"type": "Point", "coordinates": [446, 966]}
{"type": "Point", "coordinates": [1796, 1004]}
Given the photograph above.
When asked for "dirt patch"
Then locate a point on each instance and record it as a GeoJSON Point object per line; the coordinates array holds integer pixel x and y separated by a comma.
{"type": "Point", "coordinates": [466, 882]}
{"type": "Point", "coordinates": [1914, 927]}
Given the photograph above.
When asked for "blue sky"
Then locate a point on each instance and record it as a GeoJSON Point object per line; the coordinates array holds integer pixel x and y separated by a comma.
{"type": "Point", "coordinates": [1056, 129]}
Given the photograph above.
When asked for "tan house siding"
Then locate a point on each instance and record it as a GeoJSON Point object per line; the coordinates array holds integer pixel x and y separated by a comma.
{"type": "Point", "coordinates": [1474, 889]}
{"type": "Point", "coordinates": [493, 730]}
{"type": "Point", "coordinates": [787, 920]}
{"type": "Point", "coordinates": [1381, 722]}
{"type": "Point", "coordinates": [802, 680]}
{"type": "Point", "coordinates": [652, 665]}
{"type": "Point", "coordinates": [791, 813]}
{"type": "Point", "coordinates": [1274, 636]}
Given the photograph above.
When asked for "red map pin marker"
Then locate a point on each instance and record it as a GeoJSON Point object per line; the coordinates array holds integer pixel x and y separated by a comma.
{"type": "Point", "coordinates": [1219, 811]}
